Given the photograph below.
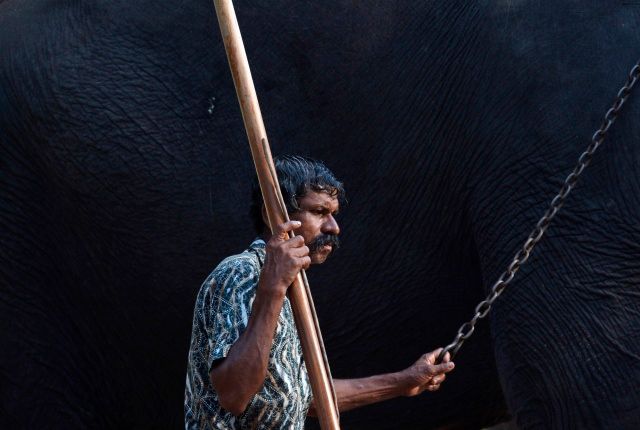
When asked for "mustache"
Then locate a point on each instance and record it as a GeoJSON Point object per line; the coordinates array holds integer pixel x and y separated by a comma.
{"type": "Point", "coordinates": [322, 240]}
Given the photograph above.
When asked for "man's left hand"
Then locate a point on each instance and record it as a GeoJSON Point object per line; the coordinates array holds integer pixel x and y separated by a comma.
{"type": "Point", "coordinates": [424, 374]}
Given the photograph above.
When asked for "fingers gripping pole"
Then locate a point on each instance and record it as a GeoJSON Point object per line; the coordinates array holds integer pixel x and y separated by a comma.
{"type": "Point", "coordinates": [306, 321]}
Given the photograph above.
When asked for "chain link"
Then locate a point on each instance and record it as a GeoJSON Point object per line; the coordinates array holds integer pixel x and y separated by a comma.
{"type": "Point", "coordinates": [483, 308]}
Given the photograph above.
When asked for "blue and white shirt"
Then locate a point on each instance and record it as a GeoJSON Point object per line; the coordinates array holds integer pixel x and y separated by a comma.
{"type": "Point", "coordinates": [221, 315]}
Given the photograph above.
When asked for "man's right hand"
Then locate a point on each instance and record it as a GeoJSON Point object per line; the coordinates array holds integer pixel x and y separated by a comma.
{"type": "Point", "coordinates": [284, 259]}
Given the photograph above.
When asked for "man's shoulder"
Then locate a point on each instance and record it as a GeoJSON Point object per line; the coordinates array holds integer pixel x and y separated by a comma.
{"type": "Point", "coordinates": [247, 262]}
{"type": "Point", "coordinates": [237, 269]}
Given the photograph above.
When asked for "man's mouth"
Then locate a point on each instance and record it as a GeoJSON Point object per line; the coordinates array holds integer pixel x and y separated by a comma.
{"type": "Point", "coordinates": [324, 243]}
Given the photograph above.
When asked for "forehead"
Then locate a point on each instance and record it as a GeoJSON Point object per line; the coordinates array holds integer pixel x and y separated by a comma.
{"type": "Point", "coordinates": [315, 198]}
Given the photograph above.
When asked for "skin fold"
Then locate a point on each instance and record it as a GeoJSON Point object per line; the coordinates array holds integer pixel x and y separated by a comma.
{"type": "Point", "coordinates": [125, 178]}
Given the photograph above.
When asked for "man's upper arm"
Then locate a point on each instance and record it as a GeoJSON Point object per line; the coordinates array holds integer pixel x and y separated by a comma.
{"type": "Point", "coordinates": [227, 304]}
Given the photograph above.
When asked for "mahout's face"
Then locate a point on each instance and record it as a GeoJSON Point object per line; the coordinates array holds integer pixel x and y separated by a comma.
{"type": "Point", "coordinates": [319, 226]}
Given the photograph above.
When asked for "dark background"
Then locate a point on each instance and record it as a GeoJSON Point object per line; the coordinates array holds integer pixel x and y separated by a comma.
{"type": "Point", "coordinates": [125, 178]}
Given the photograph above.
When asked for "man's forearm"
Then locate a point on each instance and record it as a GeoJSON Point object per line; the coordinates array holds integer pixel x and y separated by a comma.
{"type": "Point", "coordinates": [424, 374]}
{"type": "Point", "coordinates": [353, 393]}
{"type": "Point", "coordinates": [241, 374]}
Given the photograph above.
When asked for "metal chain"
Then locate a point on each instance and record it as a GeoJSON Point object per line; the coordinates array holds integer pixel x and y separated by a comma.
{"type": "Point", "coordinates": [466, 330]}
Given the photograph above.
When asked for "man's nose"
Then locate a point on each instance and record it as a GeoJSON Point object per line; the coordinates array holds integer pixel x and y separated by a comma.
{"type": "Point", "coordinates": [331, 226]}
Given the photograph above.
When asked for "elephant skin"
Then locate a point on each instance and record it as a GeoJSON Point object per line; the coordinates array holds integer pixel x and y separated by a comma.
{"type": "Point", "coordinates": [125, 178]}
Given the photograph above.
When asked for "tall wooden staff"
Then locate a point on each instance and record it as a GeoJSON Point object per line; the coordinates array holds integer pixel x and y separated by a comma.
{"type": "Point", "coordinates": [299, 296]}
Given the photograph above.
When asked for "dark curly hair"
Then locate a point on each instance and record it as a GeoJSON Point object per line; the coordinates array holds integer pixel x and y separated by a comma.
{"type": "Point", "coordinates": [297, 175]}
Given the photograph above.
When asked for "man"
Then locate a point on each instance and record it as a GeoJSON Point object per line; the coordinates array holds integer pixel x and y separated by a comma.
{"type": "Point", "coordinates": [245, 361]}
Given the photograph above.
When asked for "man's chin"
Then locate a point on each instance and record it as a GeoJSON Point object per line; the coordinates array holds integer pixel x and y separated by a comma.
{"type": "Point", "coordinates": [319, 257]}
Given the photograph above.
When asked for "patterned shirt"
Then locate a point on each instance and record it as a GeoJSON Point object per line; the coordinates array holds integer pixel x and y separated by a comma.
{"type": "Point", "coordinates": [221, 314]}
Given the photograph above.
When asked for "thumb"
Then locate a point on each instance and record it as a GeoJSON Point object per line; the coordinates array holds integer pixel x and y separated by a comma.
{"type": "Point", "coordinates": [282, 230]}
{"type": "Point", "coordinates": [442, 368]}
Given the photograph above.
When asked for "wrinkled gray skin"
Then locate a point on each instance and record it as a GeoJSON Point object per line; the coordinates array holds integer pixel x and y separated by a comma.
{"type": "Point", "coordinates": [123, 183]}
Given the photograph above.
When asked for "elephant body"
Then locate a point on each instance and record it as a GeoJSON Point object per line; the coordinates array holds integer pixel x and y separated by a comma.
{"type": "Point", "coordinates": [125, 177]}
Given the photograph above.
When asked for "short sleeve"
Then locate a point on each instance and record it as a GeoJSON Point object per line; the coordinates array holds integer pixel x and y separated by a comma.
{"type": "Point", "coordinates": [229, 295]}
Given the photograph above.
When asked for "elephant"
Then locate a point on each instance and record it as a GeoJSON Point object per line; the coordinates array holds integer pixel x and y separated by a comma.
{"type": "Point", "coordinates": [126, 177]}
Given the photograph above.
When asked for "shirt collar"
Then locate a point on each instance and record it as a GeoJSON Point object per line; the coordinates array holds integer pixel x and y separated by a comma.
{"type": "Point", "coordinates": [258, 247]}
{"type": "Point", "coordinates": [258, 243]}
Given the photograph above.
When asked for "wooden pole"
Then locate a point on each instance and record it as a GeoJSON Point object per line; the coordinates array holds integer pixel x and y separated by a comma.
{"type": "Point", "coordinates": [312, 348]}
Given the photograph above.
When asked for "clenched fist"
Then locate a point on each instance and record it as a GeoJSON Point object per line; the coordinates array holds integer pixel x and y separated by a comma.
{"type": "Point", "coordinates": [284, 259]}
